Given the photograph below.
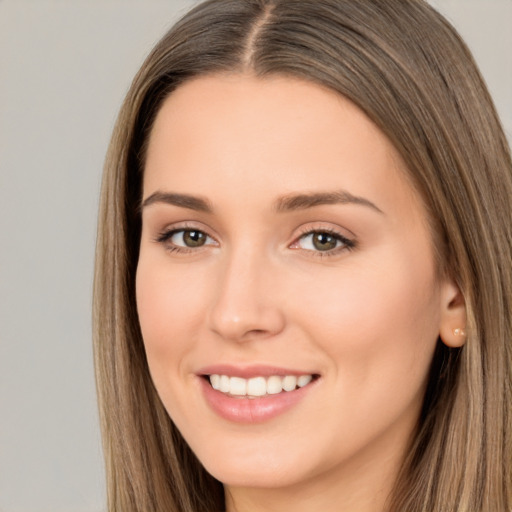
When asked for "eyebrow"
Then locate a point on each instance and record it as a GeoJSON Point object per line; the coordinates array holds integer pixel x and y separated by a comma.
{"type": "Point", "coordinates": [287, 203]}
{"type": "Point", "coordinates": [181, 200]}
{"type": "Point", "coordinates": [303, 201]}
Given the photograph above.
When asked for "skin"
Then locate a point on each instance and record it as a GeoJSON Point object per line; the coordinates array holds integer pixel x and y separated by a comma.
{"type": "Point", "coordinates": [366, 318]}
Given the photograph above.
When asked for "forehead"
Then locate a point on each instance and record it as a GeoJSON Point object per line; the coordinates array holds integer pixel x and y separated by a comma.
{"type": "Point", "coordinates": [270, 137]}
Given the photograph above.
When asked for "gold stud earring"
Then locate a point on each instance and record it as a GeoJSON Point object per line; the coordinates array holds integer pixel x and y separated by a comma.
{"type": "Point", "coordinates": [459, 332]}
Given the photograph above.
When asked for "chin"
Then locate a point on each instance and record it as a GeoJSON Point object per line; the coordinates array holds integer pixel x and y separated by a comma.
{"type": "Point", "coordinates": [252, 465]}
{"type": "Point", "coordinates": [262, 476]}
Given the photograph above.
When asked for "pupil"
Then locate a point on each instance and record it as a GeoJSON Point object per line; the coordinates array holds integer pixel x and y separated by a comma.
{"type": "Point", "coordinates": [194, 238]}
{"type": "Point", "coordinates": [324, 241]}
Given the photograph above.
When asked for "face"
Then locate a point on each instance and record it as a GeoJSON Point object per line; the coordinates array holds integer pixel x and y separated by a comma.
{"type": "Point", "coordinates": [286, 286]}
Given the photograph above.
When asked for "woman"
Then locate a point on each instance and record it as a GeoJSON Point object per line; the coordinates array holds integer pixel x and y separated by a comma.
{"type": "Point", "coordinates": [303, 283]}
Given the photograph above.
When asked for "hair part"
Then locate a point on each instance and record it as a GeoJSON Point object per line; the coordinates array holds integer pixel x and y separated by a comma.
{"type": "Point", "coordinates": [407, 69]}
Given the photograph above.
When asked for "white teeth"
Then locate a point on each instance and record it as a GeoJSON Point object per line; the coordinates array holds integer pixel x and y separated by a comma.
{"type": "Point", "coordinates": [274, 385]}
{"type": "Point", "coordinates": [237, 386]}
{"type": "Point", "coordinates": [289, 383]}
{"type": "Point", "coordinates": [304, 380]}
{"type": "Point", "coordinates": [224, 384]}
{"type": "Point", "coordinates": [215, 381]}
{"type": "Point", "coordinates": [258, 386]}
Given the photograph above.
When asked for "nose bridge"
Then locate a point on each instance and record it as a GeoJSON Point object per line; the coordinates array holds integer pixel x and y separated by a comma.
{"type": "Point", "coordinates": [244, 306]}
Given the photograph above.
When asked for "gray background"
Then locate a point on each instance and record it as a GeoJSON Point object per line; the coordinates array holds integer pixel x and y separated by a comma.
{"type": "Point", "coordinates": [64, 69]}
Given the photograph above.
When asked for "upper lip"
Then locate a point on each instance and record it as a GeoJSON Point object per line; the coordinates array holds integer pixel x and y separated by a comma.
{"type": "Point", "coordinates": [248, 372]}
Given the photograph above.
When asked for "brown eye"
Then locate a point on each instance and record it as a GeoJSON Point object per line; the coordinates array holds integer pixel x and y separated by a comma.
{"type": "Point", "coordinates": [185, 239]}
{"type": "Point", "coordinates": [191, 238]}
{"type": "Point", "coordinates": [324, 241]}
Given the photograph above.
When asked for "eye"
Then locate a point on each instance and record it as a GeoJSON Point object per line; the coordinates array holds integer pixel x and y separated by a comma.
{"type": "Point", "coordinates": [188, 238]}
{"type": "Point", "coordinates": [183, 239]}
{"type": "Point", "coordinates": [323, 241]}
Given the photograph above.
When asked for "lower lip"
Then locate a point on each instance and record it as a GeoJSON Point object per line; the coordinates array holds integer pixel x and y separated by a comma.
{"type": "Point", "coordinates": [252, 410]}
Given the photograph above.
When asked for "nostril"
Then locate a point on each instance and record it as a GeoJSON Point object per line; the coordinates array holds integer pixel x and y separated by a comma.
{"type": "Point", "coordinates": [256, 332]}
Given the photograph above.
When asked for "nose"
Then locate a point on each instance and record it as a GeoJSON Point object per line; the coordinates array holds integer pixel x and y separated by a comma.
{"type": "Point", "coordinates": [245, 306]}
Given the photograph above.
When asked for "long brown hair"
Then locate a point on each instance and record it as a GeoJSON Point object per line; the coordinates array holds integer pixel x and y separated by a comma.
{"type": "Point", "coordinates": [408, 70]}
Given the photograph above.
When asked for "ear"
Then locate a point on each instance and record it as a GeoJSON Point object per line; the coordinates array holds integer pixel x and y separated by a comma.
{"type": "Point", "coordinates": [452, 328]}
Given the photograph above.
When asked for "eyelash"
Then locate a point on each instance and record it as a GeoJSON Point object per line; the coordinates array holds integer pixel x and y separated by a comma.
{"type": "Point", "coordinates": [165, 236]}
{"type": "Point", "coordinates": [347, 244]}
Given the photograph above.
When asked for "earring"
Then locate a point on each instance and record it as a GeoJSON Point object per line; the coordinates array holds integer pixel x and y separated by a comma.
{"type": "Point", "coordinates": [459, 332]}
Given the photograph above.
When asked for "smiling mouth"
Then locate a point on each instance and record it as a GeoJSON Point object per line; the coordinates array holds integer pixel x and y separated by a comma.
{"type": "Point", "coordinates": [256, 387]}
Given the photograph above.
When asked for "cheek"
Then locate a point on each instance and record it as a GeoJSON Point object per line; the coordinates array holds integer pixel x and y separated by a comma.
{"type": "Point", "coordinates": [380, 324]}
{"type": "Point", "coordinates": [385, 308]}
{"type": "Point", "coordinates": [168, 305]}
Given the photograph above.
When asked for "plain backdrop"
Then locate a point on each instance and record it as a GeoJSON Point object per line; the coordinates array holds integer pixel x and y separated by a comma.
{"type": "Point", "coordinates": [65, 66]}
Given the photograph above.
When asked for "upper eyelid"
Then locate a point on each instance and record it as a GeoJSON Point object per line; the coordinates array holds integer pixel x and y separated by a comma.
{"type": "Point", "coordinates": [327, 231]}
{"type": "Point", "coordinates": [187, 226]}
{"type": "Point", "coordinates": [343, 233]}
{"type": "Point", "coordinates": [344, 239]}
{"type": "Point", "coordinates": [167, 233]}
